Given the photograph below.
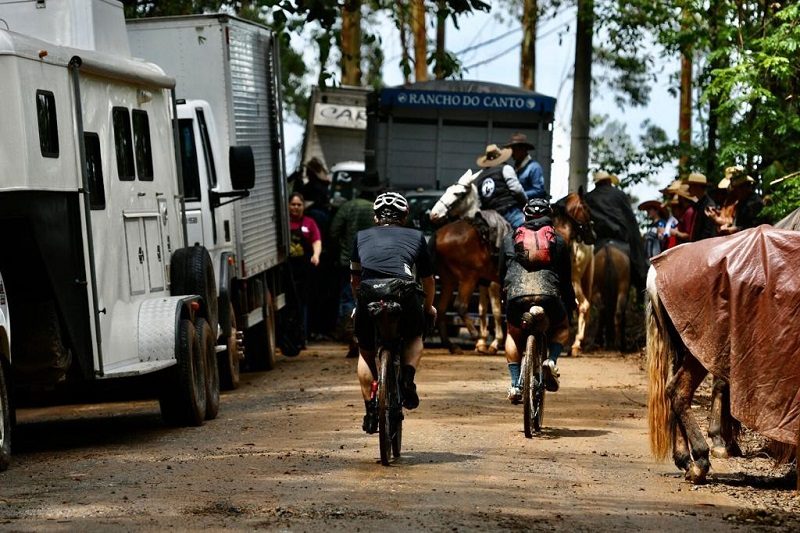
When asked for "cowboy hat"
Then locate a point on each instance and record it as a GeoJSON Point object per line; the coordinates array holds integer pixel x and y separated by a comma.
{"type": "Point", "coordinates": [696, 178]}
{"type": "Point", "coordinates": [494, 156]}
{"type": "Point", "coordinates": [519, 139]}
{"type": "Point", "coordinates": [650, 204]}
{"type": "Point", "coordinates": [741, 180]}
{"type": "Point", "coordinates": [683, 192]}
{"type": "Point", "coordinates": [672, 188]}
{"type": "Point", "coordinates": [602, 175]}
{"type": "Point", "coordinates": [724, 183]}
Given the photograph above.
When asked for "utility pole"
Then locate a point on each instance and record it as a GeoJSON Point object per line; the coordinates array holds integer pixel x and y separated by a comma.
{"type": "Point", "coordinates": [527, 63]}
{"type": "Point", "coordinates": [351, 43]}
{"type": "Point", "coordinates": [581, 94]}
{"type": "Point", "coordinates": [420, 40]}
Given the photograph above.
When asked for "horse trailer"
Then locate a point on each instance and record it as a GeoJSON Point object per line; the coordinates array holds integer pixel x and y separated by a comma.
{"type": "Point", "coordinates": [424, 135]}
{"type": "Point", "coordinates": [93, 234]}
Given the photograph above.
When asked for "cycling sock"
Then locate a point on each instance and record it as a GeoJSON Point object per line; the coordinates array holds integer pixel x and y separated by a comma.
{"type": "Point", "coordinates": [514, 370]}
{"type": "Point", "coordinates": [555, 350]}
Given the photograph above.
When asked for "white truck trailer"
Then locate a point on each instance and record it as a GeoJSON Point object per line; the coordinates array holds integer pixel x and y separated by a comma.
{"type": "Point", "coordinates": [94, 244]}
{"type": "Point", "coordinates": [229, 66]}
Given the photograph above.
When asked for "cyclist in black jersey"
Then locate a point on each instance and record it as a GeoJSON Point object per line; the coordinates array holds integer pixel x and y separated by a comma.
{"type": "Point", "coordinates": [391, 257]}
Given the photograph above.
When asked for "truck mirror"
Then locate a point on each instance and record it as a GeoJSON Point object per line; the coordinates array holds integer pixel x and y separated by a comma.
{"type": "Point", "coordinates": [242, 167]}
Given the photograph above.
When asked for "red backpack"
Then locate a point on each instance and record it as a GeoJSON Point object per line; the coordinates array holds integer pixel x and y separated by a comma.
{"type": "Point", "coordinates": [534, 246]}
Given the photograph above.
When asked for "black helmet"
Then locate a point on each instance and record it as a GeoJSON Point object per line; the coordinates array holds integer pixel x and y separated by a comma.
{"type": "Point", "coordinates": [390, 206]}
{"type": "Point", "coordinates": [536, 208]}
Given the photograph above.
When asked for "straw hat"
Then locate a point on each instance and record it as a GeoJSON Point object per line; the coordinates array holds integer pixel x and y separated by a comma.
{"type": "Point", "coordinates": [696, 178]}
{"type": "Point", "coordinates": [683, 192]}
{"type": "Point", "coordinates": [602, 175]}
{"type": "Point", "coordinates": [672, 188]}
{"type": "Point", "coordinates": [519, 139]}
{"type": "Point", "coordinates": [494, 156]}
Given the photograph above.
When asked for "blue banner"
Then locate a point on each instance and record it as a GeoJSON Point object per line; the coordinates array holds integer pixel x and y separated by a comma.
{"type": "Point", "coordinates": [476, 101]}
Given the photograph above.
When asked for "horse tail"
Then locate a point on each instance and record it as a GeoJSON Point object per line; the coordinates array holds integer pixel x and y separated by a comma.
{"type": "Point", "coordinates": [659, 353]}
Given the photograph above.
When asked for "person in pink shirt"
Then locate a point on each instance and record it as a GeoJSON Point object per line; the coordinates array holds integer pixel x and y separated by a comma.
{"type": "Point", "coordinates": [687, 204]}
{"type": "Point", "coordinates": [305, 247]}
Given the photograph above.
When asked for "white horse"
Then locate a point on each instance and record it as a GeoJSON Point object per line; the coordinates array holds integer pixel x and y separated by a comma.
{"type": "Point", "coordinates": [461, 201]}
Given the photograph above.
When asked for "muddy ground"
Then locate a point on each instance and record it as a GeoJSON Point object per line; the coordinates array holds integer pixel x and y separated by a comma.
{"type": "Point", "coordinates": [287, 453]}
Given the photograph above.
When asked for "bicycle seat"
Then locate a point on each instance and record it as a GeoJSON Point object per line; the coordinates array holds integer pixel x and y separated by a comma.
{"type": "Point", "coordinates": [535, 319]}
{"type": "Point", "coordinates": [383, 306]}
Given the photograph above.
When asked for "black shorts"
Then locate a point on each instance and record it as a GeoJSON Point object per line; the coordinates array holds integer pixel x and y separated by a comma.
{"type": "Point", "coordinates": [408, 294]}
{"type": "Point", "coordinates": [552, 305]}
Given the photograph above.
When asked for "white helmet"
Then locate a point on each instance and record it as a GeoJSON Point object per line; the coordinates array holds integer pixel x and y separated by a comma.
{"type": "Point", "coordinates": [390, 205]}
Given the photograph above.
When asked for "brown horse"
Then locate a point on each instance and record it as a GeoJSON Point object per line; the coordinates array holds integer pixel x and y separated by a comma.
{"type": "Point", "coordinates": [612, 283]}
{"type": "Point", "coordinates": [760, 293]}
{"type": "Point", "coordinates": [573, 223]}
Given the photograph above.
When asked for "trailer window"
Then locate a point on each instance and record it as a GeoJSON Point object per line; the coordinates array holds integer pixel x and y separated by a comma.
{"type": "Point", "coordinates": [94, 171]}
{"type": "Point", "coordinates": [48, 125]}
{"type": "Point", "coordinates": [123, 144]}
{"type": "Point", "coordinates": [191, 178]}
{"type": "Point", "coordinates": [210, 168]}
{"type": "Point", "coordinates": [141, 144]}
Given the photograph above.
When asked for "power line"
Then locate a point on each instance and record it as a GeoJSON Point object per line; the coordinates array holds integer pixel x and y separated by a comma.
{"type": "Point", "coordinates": [493, 58]}
{"type": "Point", "coordinates": [488, 42]}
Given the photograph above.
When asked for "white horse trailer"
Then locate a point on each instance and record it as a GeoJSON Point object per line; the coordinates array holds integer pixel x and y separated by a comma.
{"type": "Point", "coordinates": [90, 211]}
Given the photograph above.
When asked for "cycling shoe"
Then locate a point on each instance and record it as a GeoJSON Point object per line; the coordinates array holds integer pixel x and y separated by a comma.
{"type": "Point", "coordinates": [370, 424]}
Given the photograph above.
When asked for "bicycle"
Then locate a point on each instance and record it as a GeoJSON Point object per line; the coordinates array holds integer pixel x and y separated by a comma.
{"type": "Point", "coordinates": [535, 324]}
{"type": "Point", "coordinates": [387, 387]}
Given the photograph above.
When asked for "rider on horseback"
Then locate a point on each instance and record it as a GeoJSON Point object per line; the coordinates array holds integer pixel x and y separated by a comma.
{"type": "Point", "coordinates": [536, 269]}
{"type": "Point", "coordinates": [383, 263]}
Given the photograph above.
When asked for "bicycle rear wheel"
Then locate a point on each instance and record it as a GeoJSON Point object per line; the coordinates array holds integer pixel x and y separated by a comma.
{"type": "Point", "coordinates": [396, 414]}
{"type": "Point", "coordinates": [386, 384]}
{"type": "Point", "coordinates": [538, 397]}
{"type": "Point", "coordinates": [529, 387]}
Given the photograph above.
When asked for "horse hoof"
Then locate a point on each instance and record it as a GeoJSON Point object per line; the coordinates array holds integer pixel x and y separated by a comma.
{"type": "Point", "coordinates": [492, 350]}
{"type": "Point", "coordinates": [720, 452]}
{"type": "Point", "coordinates": [455, 350]}
{"type": "Point", "coordinates": [695, 475]}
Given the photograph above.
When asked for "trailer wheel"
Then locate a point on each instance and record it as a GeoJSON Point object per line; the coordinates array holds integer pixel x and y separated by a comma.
{"type": "Point", "coordinates": [261, 340]}
{"type": "Point", "coordinates": [192, 272]}
{"type": "Point", "coordinates": [183, 397]}
{"type": "Point", "coordinates": [5, 422]}
{"type": "Point", "coordinates": [229, 361]}
{"type": "Point", "coordinates": [205, 338]}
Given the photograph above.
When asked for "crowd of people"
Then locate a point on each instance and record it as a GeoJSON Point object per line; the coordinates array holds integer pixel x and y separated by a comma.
{"type": "Point", "coordinates": [335, 256]}
{"type": "Point", "coordinates": [694, 209]}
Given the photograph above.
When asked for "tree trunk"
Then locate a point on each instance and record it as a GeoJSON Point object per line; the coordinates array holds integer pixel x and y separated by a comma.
{"type": "Point", "coordinates": [713, 101]}
{"type": "Point", "coordinates": [351, 43]}
{"type": "Point", "coordinates": [582, 85]}
{"type": "Point", "coordinates": [527, 75]}
{"type": "Point", "coordinates": [441, 21]}
{"type": "Point", "coordinates": [420, 40]}
{"type": "Point", "coordinates": [685, 113]}
{"type": "Point", "coordinates": [402, 25]}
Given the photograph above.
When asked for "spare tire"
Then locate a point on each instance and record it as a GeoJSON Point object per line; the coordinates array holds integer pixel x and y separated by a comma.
{"type": "Point", "coordinates": [192, 272]}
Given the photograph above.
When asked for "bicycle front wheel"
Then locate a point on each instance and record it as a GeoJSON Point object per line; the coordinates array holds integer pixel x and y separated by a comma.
{"type": "Point", "coordinates": [396, 414]}
{"type": "Point", "coordinates": [538, 396]}
{"type": "Point", "coordinates": [529, 387]}
{"type": "Point", "coordinates": [386, 390]}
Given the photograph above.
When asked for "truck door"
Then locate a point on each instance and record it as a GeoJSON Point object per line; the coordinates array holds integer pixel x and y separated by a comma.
{"type": "Point", "coordinates": [192, 191]}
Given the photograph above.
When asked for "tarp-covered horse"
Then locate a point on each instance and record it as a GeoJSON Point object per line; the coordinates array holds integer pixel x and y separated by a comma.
{"type": "Point", "coordinates": [727, 306]}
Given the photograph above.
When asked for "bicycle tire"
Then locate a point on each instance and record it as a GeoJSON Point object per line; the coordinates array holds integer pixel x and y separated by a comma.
{"type": "Point", "coordinates": [538, 397]}
{"type": "Point", "coordinates": [397, 415]}
{"type": "Point", "coordinates": [385, 384]}
{"type": "Point", "coordinates": [528, 387]}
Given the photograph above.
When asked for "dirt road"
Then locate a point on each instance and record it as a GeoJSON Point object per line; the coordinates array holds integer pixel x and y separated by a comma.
{"type": "Point", "coordinates": [287, 453]}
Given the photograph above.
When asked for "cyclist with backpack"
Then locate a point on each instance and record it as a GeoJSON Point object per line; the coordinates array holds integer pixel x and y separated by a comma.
{"type": "Point", "coordinates": [385, 263]}
{"type": "Point", "coordinates": [536, 269]}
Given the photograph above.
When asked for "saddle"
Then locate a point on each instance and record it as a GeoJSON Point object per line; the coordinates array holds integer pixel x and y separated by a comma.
{"type": "Point", "coordinates": [492, 229]}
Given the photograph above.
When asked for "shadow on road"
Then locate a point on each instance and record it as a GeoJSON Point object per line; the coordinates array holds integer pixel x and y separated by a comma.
{"type": "Point", "coordinates": [412, 458]}
{"type": "Point", "coordinates": [560, 433]}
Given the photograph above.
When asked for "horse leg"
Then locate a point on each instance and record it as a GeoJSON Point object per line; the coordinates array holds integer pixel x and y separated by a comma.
{"type": "Point", "coordinates": [680, 447]}
{"type": "Point", "coordinates": [483, 320]}
{"type": "Point", "coordinates": [722, 427]}
{"type": "Point", "coordinates": [583, 311]}
{"type": "Point", "coordinates": [445, 297]}
{"type": "Point", "coordinates": [681, 391]}
{"type": "Point", "coordinates": [465, 289]}
{"type": "Point", "coordinates": [497, 316]}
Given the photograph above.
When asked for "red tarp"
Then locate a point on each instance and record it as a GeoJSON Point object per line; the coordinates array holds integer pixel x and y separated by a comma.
{"type": "Point", "coordinates": [735, 301]}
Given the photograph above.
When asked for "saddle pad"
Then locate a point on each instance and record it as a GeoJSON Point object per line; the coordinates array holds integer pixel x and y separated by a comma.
{"type": "Point", "coordinates": [735, 302]}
